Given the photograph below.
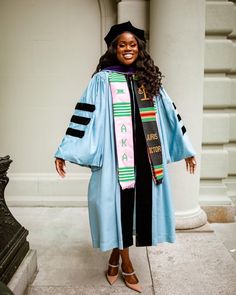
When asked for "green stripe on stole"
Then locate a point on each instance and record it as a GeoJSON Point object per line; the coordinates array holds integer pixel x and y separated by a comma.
{"type": "Point", "coordinates": [116, 77]}
{"type": "Point", "coordinates": [122, 109]}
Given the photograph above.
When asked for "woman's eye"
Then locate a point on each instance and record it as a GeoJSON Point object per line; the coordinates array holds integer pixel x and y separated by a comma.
{"type": "Point", "coordinates": [122, 45]}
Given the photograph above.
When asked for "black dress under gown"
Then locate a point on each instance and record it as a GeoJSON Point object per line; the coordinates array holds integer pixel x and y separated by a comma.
{"type": "Point", "coordinates": [138, 199]}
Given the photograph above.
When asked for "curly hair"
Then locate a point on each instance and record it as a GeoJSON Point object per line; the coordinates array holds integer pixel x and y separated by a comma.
{"type": "Point", "coordinates": [147, 72]}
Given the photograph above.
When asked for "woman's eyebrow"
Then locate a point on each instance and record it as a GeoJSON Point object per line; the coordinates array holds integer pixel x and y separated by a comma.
{"type": "Point", "coordinates": [121, 41]}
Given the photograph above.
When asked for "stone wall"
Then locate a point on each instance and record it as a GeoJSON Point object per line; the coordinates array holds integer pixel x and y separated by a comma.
{"type": "Point", "coordinates": [48, 52]}
{"type": "Point", "coordinates": [218, 171]}
{"type": "Point", "coordinates": [44, 71]}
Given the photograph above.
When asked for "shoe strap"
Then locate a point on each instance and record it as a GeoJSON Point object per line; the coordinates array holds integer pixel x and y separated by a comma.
{"type": "Point", "coordinates": [128, 273]}
{"type": "Point", "coordinates": [111, 265]}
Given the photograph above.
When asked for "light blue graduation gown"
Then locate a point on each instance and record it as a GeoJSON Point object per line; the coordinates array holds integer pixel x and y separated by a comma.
{"type": "Point", "coordinates": [96, 149]}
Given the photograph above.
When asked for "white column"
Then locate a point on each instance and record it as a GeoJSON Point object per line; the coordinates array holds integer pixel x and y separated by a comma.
{"type": "Point", "coordinates": [135, 11]}
{"type": "Point", "coordinates": [42, 61]}
{"type": "Point", "coordinates": [177, 30]}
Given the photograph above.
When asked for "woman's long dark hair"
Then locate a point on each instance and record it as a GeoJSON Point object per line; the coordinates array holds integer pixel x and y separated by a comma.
{"type": "Point", "coordinates": [148, 74]}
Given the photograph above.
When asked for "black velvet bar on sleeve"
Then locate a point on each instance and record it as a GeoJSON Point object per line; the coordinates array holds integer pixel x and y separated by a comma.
{"type": "Point", "coordinates": [85, 107]}
{"type": "Point", "coordinates": [80, 120]}
{"type": "Point", "coordinates": [75, 132]}
{"type": "Point", "coordinates": [183, 129]}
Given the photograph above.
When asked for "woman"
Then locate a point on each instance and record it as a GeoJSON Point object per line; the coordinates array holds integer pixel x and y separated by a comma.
{"type": "Point", "coordinates": [126, 129]}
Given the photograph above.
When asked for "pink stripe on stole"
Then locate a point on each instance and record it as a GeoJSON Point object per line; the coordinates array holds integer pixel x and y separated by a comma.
{"type": "Point", "coordinates": [124, 97]}
{"type": "Point", "coordinates": [123, 132]}
{"type": "Point", "coordinates": [120, 122]}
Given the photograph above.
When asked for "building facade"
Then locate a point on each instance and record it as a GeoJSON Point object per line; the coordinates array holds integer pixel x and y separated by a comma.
{"type": "Point", "coordinates": [48, 53]}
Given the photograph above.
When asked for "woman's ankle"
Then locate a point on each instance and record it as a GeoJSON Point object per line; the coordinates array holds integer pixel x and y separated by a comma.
{"type": "Point", "coordinates": [114, 257]}
{"type": "Point", "coordinates": [127, 266]}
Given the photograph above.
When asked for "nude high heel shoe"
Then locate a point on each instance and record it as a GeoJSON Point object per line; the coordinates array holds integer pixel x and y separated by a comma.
{"type": "Point", "coordinates": [112, 279]}
{"type": "Point", "coordinates": [136, 287]}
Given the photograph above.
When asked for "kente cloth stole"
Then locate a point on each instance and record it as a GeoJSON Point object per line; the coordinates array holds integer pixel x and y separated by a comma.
{"type": "Point", "coordinates": [148, 111]}
{"type": "Point", "coordinates": [124, 130]}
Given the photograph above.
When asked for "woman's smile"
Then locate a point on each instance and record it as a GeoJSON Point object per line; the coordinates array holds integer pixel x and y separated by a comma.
{"type": "Point", "coordinates": [128, 55]}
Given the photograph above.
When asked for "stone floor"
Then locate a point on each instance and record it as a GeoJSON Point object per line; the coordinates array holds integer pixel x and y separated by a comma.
{"type": "Point", "coordinates": [198, 263]}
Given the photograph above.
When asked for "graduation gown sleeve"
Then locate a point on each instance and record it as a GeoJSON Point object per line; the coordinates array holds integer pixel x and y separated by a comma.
{"type": "Point", "coordinates": [177, 143]}
{"type": "Point", "coordinates": [83, 141]}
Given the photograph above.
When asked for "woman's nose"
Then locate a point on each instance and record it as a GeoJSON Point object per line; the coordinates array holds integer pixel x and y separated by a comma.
{"type": "Point", "coordinates": [128, 48]}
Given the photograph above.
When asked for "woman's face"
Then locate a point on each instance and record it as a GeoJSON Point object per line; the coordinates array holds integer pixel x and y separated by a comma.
{"type": "Point", "coordinates": [127, 48]}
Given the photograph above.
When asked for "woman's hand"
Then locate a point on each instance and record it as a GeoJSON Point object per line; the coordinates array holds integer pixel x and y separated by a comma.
{"type": "Point", "coordinates": [191, 164]}
{"type": "Point", "coordinates": [60, 167]}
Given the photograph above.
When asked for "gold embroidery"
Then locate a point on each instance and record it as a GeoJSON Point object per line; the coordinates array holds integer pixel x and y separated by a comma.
{"type": "Point", "coordinates": [154, 149]}
{"type": "Point", "coordinates": [151, 136]}
{"type": "Point", "coordinates": [141, 90]}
